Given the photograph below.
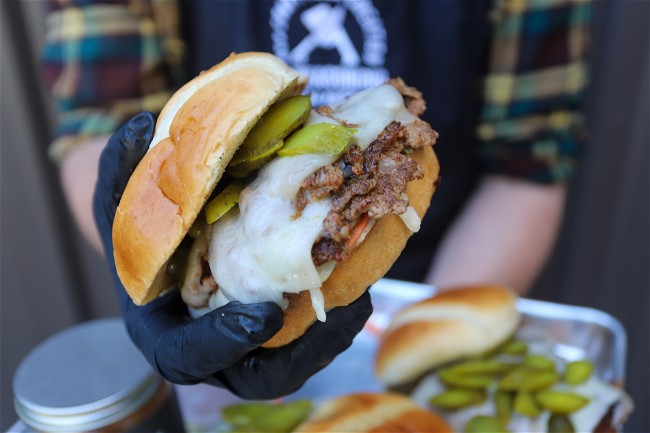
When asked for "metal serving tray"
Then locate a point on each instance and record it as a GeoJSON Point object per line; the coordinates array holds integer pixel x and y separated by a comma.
{"type": "Point", "coordinates": [572, 333]}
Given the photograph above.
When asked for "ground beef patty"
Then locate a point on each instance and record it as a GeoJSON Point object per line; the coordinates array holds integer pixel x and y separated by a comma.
{"type": "Point", "coordinates": [364, 182]}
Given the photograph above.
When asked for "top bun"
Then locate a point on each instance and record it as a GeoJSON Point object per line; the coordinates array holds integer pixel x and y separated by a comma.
{"type": "Point", "coordinates": [454, 324]}
{"type": "Point", "coordinates": [197, 134]}
{"type": "Point", "coordinates": [367, 412]}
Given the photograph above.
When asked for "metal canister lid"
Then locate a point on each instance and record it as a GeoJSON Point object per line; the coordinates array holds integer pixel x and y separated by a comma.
{"type": "Point", "coordinates": [83, 378]}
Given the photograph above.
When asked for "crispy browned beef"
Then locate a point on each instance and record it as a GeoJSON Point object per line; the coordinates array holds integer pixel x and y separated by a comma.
{"type": "Point", "coordinates": [320, 184]}
{"type": "Point", "coordinates": [326, 250]}
{"type": "Point", "coordinates": [370, 182]}
{"type": "Point", "coordinates": [413, 100]}
{"type": "Point", "coordinates": [420, 134]}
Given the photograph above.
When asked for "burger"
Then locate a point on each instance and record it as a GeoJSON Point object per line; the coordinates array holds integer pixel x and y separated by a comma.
{"type": "Point", "coordinates": [372, 412]}
{"type": "Point", "coordinates": [250, 194]}
{"type": "Point", "coordinates": [460, 355]}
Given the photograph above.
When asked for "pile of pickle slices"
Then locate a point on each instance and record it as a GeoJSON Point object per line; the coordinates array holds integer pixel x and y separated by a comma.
{"type": "Point", "coordinates": [262, 417]}
{"type": "Point", "coordinates": [279, 132]}
{"type": "Point", "coordinates": [518, 382]}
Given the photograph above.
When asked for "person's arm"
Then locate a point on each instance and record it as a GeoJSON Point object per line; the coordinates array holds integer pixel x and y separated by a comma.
{"type": "Point", "coordinates": [103, 61]}
{"type": "Point", "coordinates": [78, 174]}
{"type": "Point", "coordinates": [530, 130]}
{"type": "Point", "coordinates": [504, 235]}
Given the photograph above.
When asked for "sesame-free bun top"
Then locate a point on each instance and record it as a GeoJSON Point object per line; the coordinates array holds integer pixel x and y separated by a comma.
{"type": "Point", "coordinates": [197, 134]}
{"type": "Point", "coordinates": [372, 412]}
{"type": "Point", "coordinates": [454, 324]}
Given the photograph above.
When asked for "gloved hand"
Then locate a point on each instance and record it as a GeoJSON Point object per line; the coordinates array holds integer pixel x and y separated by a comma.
{"type": "Point", "coordinates": [221, 347]}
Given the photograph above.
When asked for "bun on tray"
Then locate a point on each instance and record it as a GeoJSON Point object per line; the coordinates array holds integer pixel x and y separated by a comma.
{"type": "Point", "coordinates": [454, 324]}
{"type": "Point", "coordinates": [372, 412]}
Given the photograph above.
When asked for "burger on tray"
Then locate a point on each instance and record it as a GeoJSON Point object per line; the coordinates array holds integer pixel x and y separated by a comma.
{"type": "Point", "coordinates": [458, 354]}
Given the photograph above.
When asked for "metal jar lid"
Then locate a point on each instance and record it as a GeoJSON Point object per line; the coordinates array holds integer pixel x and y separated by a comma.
{"type": "Point", "coordinates": [84, 378]}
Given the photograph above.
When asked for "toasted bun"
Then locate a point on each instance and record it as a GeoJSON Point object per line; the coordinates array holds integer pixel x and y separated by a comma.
{"type": "Point", "coordinates": [368, 263]}
{"type": "Point", "coordinates": [368, 412]}
{"type": "Point", "coordinates": [197, 134]}
{"type": "Point", "coordinates": [454, 324]}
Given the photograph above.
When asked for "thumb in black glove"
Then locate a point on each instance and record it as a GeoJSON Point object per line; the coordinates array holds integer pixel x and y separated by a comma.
{"type": "Point", "coordinates": [221, 347]}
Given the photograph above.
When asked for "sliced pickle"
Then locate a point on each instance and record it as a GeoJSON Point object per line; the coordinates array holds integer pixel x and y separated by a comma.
{"type": "Point", "coordinates": [539, 363]}
{"type": "Point", "coordinates": [255, 162]}
{"type": "Point", "coordinates": [513, 380]}
{"type": "Point", "coordinates": [449, 377]}
{"type": "Point", "coordinates": [244, 415]}
{"type": "Point", "coordinates": [277, 123]}
{"type": "Point", "coordinates": [560, 424]}
{"type": "Point", "coordinates": [482, 366]}
{"type": "Point", "coordinates": [514, 347]}
{"type": "Point", "coordinates": [538, 380]}
{"type": "Point", "coordinates": [578, 372]}
{"type": "Point", "coordinates": [503, 404]}
{"type": "Point", "coordinates": [456, 398]}
{"type": "Point", "coordinates": [560, 402]}
{"type": "Point", "coordinates": [484, 424]}
{"type": "Point", "coordinates": [321, 138]}
{"type": "Point", "coordinates": [223, 202]}
{"type": "Point", "coordinates": [525, 404]}
{"type": "Point", "coordinates": [285, 417]}
{"type": "Point", "coordinates": [266, 417]}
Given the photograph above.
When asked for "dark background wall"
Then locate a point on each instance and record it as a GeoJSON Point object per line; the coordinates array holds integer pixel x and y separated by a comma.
{"type": "Point", "coordinates": [50, 279]}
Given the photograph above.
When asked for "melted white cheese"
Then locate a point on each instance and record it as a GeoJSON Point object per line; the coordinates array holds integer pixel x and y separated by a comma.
{"type": "Point", "coordinates": [260, 252]}
{"type": "Point", "coordinates": [371, 110]}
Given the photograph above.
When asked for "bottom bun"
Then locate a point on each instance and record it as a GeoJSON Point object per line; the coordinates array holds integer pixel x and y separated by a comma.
{"type": "Point", "coordinates": [368, 412]}
{"type": "Point", "coordinates": [368, 263]}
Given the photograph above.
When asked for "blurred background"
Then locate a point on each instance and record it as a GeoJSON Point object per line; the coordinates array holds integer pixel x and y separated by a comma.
{"type": "Point", "coordinates": [51, 279]}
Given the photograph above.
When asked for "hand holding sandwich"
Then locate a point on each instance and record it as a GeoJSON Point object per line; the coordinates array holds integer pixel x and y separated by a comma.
{"type": "Point", "coordinates": [221, 347]}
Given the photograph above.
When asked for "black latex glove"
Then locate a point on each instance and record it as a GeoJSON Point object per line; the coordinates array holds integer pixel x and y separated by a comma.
{"type": "Point", "coordinates": [221, 347]}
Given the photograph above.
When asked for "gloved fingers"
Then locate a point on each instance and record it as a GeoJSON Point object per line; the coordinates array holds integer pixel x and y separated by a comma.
{"type": "Point", "coordinates": [273, 373]}
{"type": "Point", "coordinates": [122, 153]}
{"type": "Point", "coordinates": [217, 340]}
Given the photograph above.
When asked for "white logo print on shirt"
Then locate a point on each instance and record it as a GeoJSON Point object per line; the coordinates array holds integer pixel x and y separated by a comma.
{"type": "Point", "coordinates": [359, 67]}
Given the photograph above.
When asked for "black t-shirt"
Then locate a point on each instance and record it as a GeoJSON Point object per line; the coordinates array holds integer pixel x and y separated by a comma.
{"type": "Point", "coordinates": [438, 46]}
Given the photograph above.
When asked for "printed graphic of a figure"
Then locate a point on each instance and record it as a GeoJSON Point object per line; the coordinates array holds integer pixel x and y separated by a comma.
{"type": "Point", "coordinates": [325, 24]}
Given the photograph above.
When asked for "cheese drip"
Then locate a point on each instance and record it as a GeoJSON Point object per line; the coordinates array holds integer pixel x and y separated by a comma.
{"type": "Point", "coordinates": [260, 251]}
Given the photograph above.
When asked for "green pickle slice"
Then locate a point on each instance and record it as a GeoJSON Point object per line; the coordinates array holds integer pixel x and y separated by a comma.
{"type": "Point", "coordinates": [525, 404]}
{"type": "Point", "coordinates": [513, 380]}
{"type": "Point", "coordinates": [455, 398]}
{"type": "Point", "coordinates": [484, 424]}
{"type": "Point", "coordinates": [539, 363]}
{"type": "Point", "coordinates": [264, 140]}
{"type": "Point", "coordinates": [320, 138]}
{"type": "Point", "coordinates": [503, 405]}
{"type": "Point", "coordinates": [223, 202]}
{"type": "Point", "coordinates": [560, 402]}
{"type": "Point", "coordinates": [514, 347]}
{"type": "Point", "coordinates": [255, 162]}
{"type": "Point", "coordinates": [451, 378]}
{"type": "Point", "coordinates": [560, 424]}
{"type": "Point", "coordinates": [538, 380]}
{"type": "Point", "coordinates": [482, 366]}
{"type": "Point", "coordinates": [578, 372]}
{"type": "Point", "coordinates": [266, 417]}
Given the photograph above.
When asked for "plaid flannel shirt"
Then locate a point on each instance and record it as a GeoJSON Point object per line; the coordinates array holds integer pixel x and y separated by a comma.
{"type": "Point", "coordinates": [531, 124]}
